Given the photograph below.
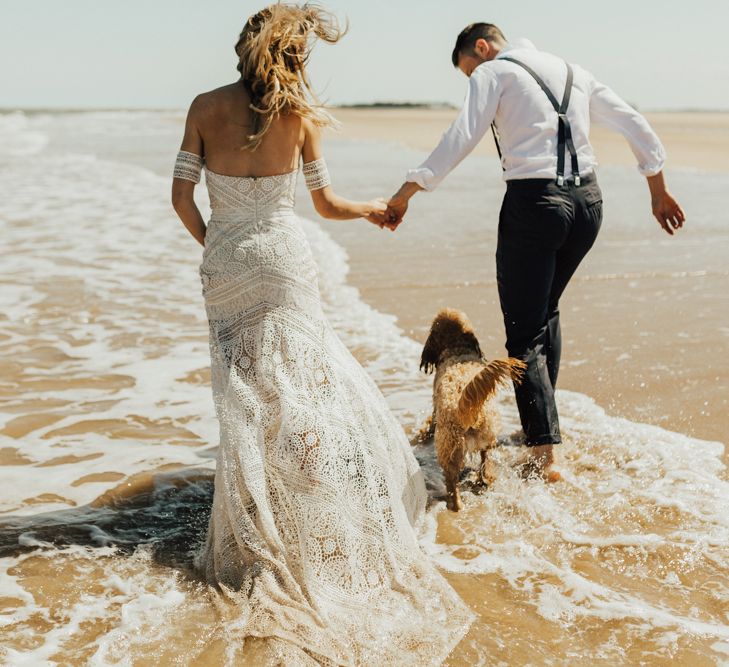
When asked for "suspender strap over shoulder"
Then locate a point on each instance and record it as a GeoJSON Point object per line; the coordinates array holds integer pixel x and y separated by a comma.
{"type": "Point", "coordinates": [564, 130]}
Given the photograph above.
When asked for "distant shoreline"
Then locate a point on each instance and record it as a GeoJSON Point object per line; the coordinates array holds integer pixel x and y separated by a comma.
{"type": "Point", "coordinates": [396, 105]}
{"type": "Point", "coordinates": [374, 106]}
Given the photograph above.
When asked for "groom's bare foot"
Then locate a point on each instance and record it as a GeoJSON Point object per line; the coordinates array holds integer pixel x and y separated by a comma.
{"type": "Point", "coordinates": [538, 463]}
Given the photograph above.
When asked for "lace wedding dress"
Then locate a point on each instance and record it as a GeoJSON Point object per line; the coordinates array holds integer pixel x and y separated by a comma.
{"type": "Point", "coordinates": [317, 492]}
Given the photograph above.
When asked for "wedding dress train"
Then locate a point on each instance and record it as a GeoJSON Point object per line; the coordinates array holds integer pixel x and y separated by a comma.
{"type": "Point", "coordinates": [318, 495]}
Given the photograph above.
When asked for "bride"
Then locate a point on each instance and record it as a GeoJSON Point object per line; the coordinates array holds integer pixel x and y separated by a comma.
{"type": "Point", "coordinates": [318, 496]}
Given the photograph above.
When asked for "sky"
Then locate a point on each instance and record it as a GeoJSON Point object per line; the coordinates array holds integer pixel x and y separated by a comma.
{"type": "Point", "coordinates": [161, 53]}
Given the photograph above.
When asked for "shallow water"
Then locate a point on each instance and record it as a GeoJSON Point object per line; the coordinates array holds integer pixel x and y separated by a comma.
{"type": "Point", "coordinates": [108, 435]}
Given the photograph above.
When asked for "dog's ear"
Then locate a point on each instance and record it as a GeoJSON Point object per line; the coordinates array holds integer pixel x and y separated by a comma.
{"type": "Point", "coordinates": [429, 357]}
{"type": "Point", "coordinates": [470, 339]}
{"type": "Point", "coordinates": [431, 350]}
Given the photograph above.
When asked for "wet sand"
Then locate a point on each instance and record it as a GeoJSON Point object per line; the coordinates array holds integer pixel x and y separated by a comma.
{"type": "Point", "coordinates": [648, 340]}
{"type": "Point", "coordinates": [108, 437]}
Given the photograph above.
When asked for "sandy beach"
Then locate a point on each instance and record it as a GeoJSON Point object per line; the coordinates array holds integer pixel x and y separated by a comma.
{"type": "Point", "coordinates": [108, 436]}
{"type": "Point", "coordinates": [697, 140]}
{"type": "Point", "coordinates": [216, 433]}
{"type": "Point", "coordinates": [653, 335]}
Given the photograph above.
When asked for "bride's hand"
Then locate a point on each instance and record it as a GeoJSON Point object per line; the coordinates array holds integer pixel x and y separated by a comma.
{"type": "Point", "coordinates": [374, 212]}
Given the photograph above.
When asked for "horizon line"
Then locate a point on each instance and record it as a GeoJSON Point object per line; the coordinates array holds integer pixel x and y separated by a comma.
{"type": "Point", "coordinates": [376, 105]}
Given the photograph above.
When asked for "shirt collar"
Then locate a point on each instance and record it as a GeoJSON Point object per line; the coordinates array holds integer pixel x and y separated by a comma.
{"type": "Point", "coordinates": [518, 43]}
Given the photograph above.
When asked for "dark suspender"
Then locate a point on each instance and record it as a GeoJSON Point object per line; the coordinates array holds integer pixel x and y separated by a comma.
{"type": "Point", "coordinates": [498, 144]}
{"type": "Point", "coordinates": [564, 130]}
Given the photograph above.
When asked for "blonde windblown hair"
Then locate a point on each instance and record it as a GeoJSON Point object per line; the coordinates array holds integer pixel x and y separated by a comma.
{"type": "Point", "coordinates": [273, 50]}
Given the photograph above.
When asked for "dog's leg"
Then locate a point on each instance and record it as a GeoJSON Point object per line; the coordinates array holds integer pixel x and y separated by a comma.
{"type": "Point", "coordinates": [453, 500]}
{"type": "Point", "coordinates": [487, 472]}
{"type": "Point", "coordinates": [452, 474]}
{"type": "Point", "coordinates": [450, 447]}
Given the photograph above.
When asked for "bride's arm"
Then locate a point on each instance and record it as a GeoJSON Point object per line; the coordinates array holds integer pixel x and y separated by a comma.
{"type": "Point", "coordinates": [327, 203]}
{"type": "Point", "coordinates": [187, 175]}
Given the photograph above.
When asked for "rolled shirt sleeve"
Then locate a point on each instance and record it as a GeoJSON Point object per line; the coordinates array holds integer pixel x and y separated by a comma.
{"type": "Point", "coordinates": [463, 135]}
{"type": "Point", "coordinates": [608, 109]}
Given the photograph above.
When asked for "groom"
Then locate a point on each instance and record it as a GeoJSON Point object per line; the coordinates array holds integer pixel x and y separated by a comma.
{"type": "Point", "coordinates": [539, 109]}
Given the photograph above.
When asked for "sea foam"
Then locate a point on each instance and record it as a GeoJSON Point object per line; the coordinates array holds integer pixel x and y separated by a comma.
{"type": "Point", "coordinates": [105, 320]}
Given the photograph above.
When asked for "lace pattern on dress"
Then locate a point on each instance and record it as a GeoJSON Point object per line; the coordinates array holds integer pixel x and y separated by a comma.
{"type": "Point", "coordinates": [188, 166]}
{"type": "Point", "coordinates": [316, 174]}
{"type": "Point", "coordinates": [318, 497]}
{"type": "Point", "coordinates": [245, 197]}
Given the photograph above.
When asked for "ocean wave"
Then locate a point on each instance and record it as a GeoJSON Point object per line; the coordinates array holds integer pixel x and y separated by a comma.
{"type": "Point", "coordinates": [18, 137]}
{"type": "Point", "coordinates": [106, 346]}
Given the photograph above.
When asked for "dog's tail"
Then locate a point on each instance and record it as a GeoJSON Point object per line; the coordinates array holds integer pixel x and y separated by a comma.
{"type": "Point", "coordinates": [484, 384]}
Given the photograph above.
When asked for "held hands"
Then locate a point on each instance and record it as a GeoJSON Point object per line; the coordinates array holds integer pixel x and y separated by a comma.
{"type": "Point", "coordinates": [398, 205]}
{"type": "Point", "coordinates": [375, 211]}
{"type": "Point", "coordinates": [396, 209]}
{"type": "Point", "coordinates": [390, 214]}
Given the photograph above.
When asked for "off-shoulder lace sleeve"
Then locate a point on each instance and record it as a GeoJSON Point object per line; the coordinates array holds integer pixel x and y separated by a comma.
{"type": "Point", "coordinates": [188, 166]}
{"type": "Point", "coordinates": [316, 174]}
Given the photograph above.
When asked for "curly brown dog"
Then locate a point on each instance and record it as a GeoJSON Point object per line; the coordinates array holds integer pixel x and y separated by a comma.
{"type": "Point", "coordinates": [464, 419]}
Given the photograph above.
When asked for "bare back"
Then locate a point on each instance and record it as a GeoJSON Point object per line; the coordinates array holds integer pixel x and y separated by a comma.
{"type": "Point", "coordinates": [222, 119]}
{"type": "Point", "coordinates": [217, 125]}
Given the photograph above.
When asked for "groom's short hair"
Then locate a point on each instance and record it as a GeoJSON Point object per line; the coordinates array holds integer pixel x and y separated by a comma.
{"type": "Point", "coordinates": [471, 34]}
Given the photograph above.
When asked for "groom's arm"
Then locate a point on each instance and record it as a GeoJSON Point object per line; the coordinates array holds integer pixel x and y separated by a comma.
{"type": "Point", "coordinates": [463, 135]}
{"type": "Point", "coordinates": [609, 109]}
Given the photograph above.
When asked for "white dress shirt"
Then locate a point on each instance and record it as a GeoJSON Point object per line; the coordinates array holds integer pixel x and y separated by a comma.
{"type": "Point", "coordinates": [505, 93]}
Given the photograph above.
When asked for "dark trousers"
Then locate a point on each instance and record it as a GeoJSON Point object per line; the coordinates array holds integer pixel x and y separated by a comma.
{"type": "Point", "coordinates": [544, 232]}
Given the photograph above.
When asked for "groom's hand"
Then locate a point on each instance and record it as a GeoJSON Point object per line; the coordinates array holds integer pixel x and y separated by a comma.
{"type": "Point", "coordinates": [375, 211]}
{"type": "Point", "coordinates": [668, 212]}
{"type": "Point", "coordinates": [396, 209]}
{"type": "Point", "coordinates": [666, 209]}
{"type": "Point", "coordinates": [398, 204]}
